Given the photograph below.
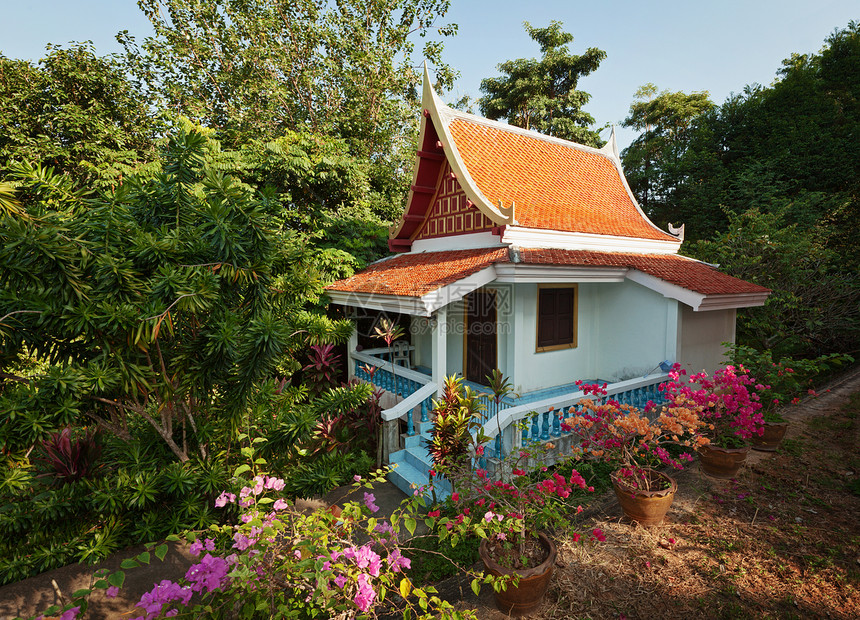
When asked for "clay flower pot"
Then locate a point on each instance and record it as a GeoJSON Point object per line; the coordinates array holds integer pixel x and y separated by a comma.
{"type": "Point", "coordinates": [771, 437]}
{"type": "Point", "coordinates": [526, 597]}
{"type": "Point", "coordinates": [645, 507]}
{"type": "Point", "coordinates": [722, 462]}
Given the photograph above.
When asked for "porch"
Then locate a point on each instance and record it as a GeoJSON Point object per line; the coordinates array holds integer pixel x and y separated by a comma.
{"type": "Point", "coordinates": [511, 424]}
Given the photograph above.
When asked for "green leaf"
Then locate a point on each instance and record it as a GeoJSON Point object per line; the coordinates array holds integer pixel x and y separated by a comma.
{"type": "Point", "coordinates": [117, 579]}
{"type": "Point", "coordinates": [410, 524]}
{"type": "Point", "coordinates": [81, 592]}
{"type": "Point", "coordinates": [241, 470]}
{"type": "Point", "coordinates": [405, 587]}
{"type": "Point", "coordinates": [129, 563]}
{"type": "Point", "coordinates": [476, 586]}
{"type": "Point", "coordinates": [101, 584]}
{"type": "Point", "coordinates": [160, 552]}
{"type": "Point", "coordinates": [144, 557]}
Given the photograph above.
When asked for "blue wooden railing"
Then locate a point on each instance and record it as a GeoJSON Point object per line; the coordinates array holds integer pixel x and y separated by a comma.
{"type": "Point", "coordinates": [541, 420]}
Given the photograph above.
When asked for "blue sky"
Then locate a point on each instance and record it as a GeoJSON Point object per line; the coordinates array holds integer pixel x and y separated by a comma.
{"type": "Point", "coordinates": [686, 45]}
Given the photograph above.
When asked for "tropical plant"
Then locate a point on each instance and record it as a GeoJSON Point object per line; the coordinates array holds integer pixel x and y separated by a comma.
{"type": "Point", "coordinates": [632, 440]}
{"type": "Point", "coordinates": [323, 370]}
{"type": "Point", "coordinates": [729, 402]}
{"type": "Point", "coordinates": [71, 458]}
{"type": "Point", "coordinates": [456, 427]}
{"type": "Point", "coordinates": [389, 331]}
{"type": "Point", "coordinates": [783, 382]}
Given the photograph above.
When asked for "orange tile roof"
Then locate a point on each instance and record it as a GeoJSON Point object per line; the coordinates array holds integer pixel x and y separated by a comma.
{"type": "Point", "coordinates": [414, 275]}
{"type": "Point", "coordinates": [684, 272]}
{"type": "Point", "coordinates": [555, 185]}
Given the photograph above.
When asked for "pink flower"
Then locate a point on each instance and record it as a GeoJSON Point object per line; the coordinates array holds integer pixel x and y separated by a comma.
{"type": "Point", "coordinates": [280, 504]}
{"type": "Point", "coordinates": [489, 516]}
{"type": "Point", "coordinates": [111, 592]}
{"type": "Point", "coordinates": [71, 614]}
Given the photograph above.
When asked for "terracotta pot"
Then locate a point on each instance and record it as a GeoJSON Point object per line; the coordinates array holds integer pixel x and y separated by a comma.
{"type": "Point", "coordinates": [645, 507]}
{"type": "Point", "coordinates": [722, 462]}
{"type": "Point", "coordinates": [526, 597]}
{"type": "Point", "coordinates": [772, 436]}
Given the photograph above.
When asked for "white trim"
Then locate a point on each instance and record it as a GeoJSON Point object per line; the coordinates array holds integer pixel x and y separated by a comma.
{"type": "Point", "coordinates": [471, 241]}
{"type": "Point", "coordinates": [736, 300]}
{"type": "Point", "coordinates": [374, 301]}
{"type": "Point", "coordinates": [540, 238]}
{"type": "Point", "coordinates": [549, 274]}
{"type": "Point", "coordinates": [666, 289]}
{"type": "Point", "coordinates": [455, 291]}
{"type": "Point", "coordinates": [498, 214]}
{"type": "Point", "coordinates": [699, 302]}
{"type": "Point", "coordinates": [410, 402]}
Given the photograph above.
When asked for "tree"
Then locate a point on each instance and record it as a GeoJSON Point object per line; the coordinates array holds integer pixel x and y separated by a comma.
{"type": "Point", "coordinates": [168, 300]}
{"type": "Point", "coordinates": [77, 113]}
{"type": "Point", "coordinates": [541, 94]}
{"type": "Point", "coordinates": [257, 69]}
{"type": "Point", "coordinates": [651, 162]}
{"type": "Point", "coordinates": [815, 305]}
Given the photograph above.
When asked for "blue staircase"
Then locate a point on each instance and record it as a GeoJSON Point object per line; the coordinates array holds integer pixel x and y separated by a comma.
{"type": "Point", "coordinates": [411, 466]}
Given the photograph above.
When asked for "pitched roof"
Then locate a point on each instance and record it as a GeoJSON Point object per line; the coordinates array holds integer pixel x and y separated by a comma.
{"type": "Point", "coordinates": [554, 184]}
{"type": "Point", "coordinates": [678, 270]}
{"type": "Point", "coordinates": [415, 275]}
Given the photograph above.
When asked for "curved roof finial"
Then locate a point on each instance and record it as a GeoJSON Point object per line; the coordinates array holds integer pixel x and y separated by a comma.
{"type": "Point", "coordinates": [611, 146]}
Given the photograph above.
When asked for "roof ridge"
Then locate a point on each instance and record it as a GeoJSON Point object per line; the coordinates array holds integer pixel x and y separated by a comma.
{"type": "Point", "coordinates": [452, 114]}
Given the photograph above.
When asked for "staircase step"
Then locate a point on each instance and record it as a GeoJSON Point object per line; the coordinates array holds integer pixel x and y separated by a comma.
{"type": "Point", "coordinates": [415, 440]}
{"type": "Point", "coordinates": [404, 475]}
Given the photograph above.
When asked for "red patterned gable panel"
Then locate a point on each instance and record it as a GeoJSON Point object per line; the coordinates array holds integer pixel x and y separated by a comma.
{"type": "Point", "coordinates": [451, 214]}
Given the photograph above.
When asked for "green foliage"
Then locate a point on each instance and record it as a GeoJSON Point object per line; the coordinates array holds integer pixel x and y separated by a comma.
{"type": "Point", "coordinates": [815, 303]}
{"type": "Point", "coordinates": [457, 419]}
{"type": "Point", "coordinates": [787, 379]}
{"type": "Point", "coordinates": [75, 112]}
{"type": "Point", "coordinates": [137, 495]}
{"type": "Point", "coordinates": [434, 560]}
{"type": "Point", "coordinates": [541, 94]}
{"type": "Point", "coordinates": [256, 69]}
{"type": "Point", "coordinates": [653, 161]}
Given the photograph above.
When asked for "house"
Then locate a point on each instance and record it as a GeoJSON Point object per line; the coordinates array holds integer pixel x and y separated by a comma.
{"type": "Point", "coordinates": [530, 254]}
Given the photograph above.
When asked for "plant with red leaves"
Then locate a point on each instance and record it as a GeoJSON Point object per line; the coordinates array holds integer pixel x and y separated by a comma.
{"type": "Point", "coordinates": [72, 457]}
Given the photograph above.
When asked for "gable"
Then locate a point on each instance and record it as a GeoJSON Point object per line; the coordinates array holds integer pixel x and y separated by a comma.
{"type": "Point", "coordinates": [452, 213]}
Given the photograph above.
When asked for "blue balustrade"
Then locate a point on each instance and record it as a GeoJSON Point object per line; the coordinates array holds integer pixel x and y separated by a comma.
{"type": "Point", "coordinates": [556, 424]}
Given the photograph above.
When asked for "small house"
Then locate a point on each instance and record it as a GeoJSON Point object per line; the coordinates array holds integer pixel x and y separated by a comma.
{"type": "Point", "coordinates": [529, 254]}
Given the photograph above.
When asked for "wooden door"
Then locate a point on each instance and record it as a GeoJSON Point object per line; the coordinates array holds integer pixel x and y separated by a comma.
{"type": "Point", "coordinates": [481, 348]}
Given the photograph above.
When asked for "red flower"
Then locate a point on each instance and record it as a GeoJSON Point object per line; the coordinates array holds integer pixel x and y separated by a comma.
{"type": "Point", "coordinates": [434, 513]}
{"type": "Point", "coordinates": [455, 497]}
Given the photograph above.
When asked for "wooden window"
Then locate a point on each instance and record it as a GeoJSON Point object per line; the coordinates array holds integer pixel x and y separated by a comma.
{"type": "Point", "coordinates": [556, 317]}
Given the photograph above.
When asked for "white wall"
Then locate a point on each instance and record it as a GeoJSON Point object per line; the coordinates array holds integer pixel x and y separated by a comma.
{"type": "Point", "coordinates": [636, 331]}
{"type": "Point", "coordinates": [624, 330]}
{"type": "Point", "coordinates": [701, 336]}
